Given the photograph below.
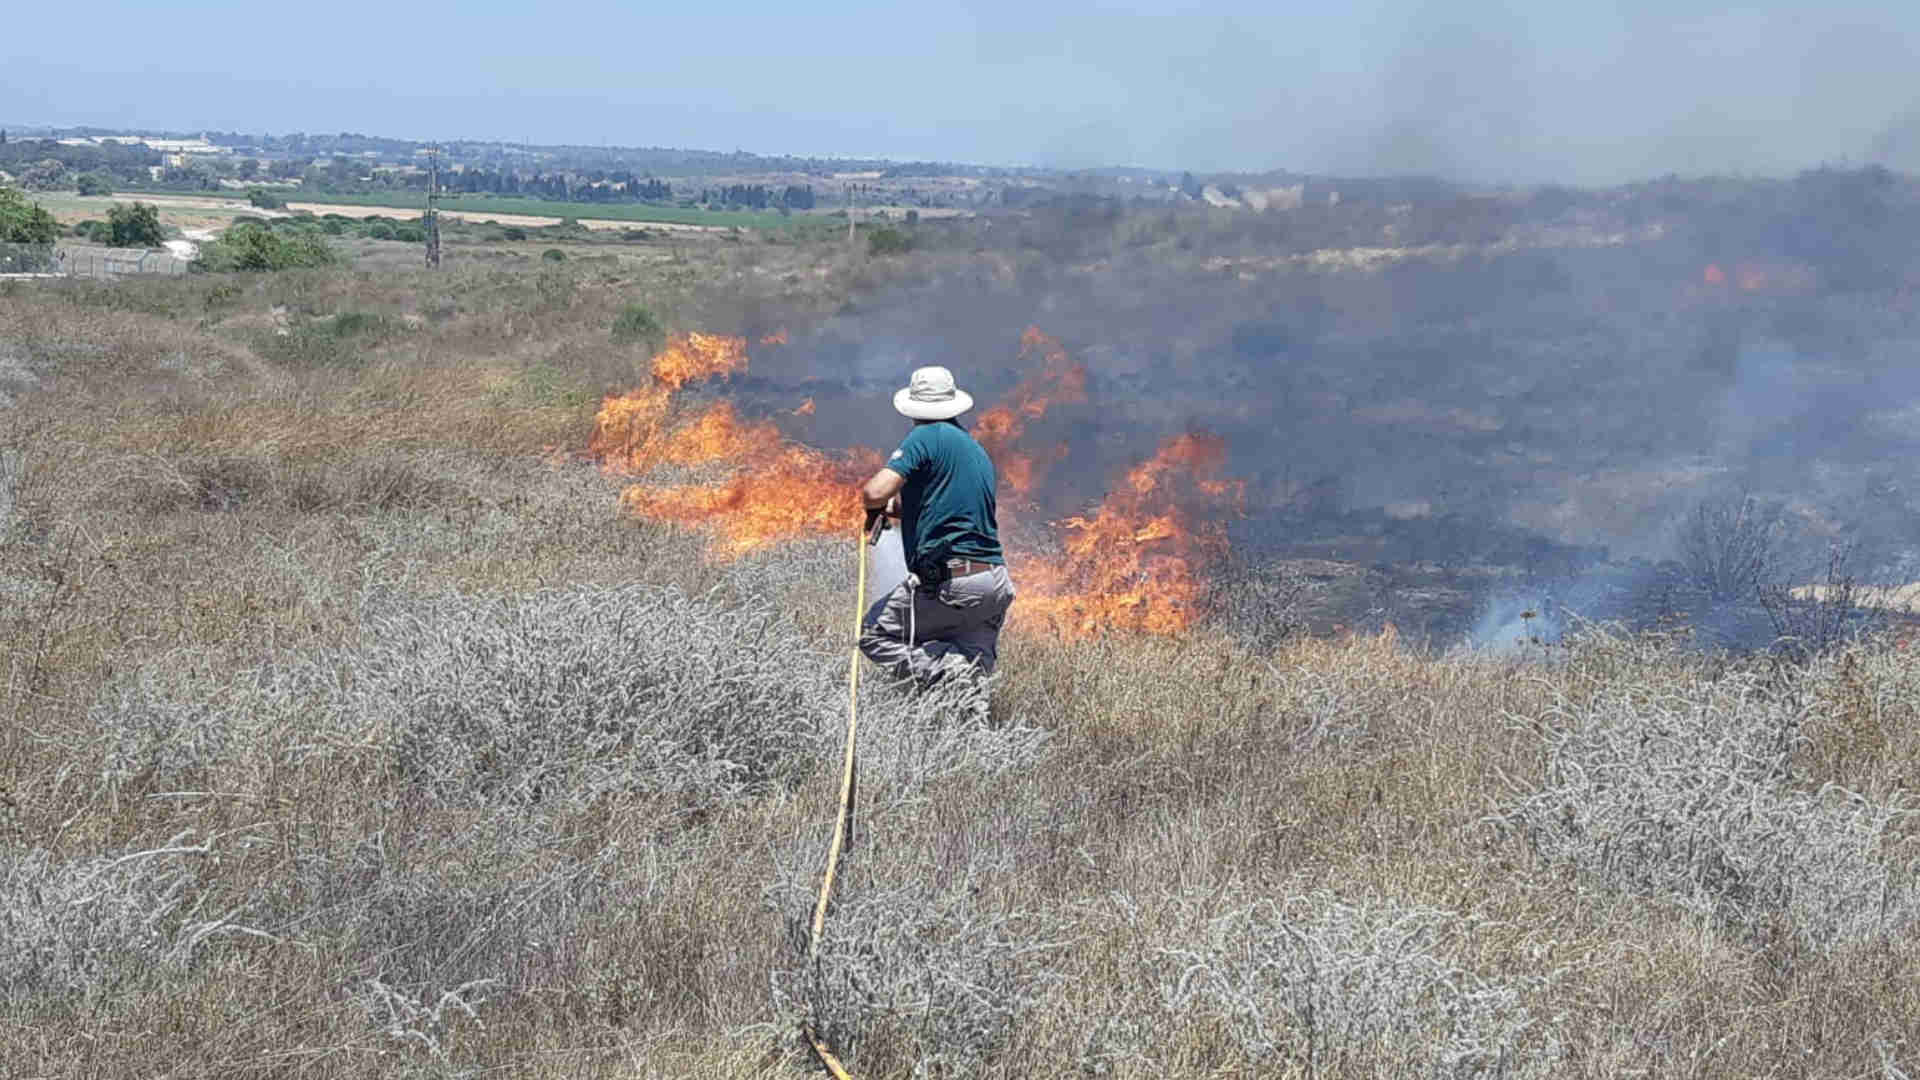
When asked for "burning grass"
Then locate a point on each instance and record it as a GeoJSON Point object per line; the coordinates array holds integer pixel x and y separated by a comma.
{"type": "Point", "coordinates": [1139, 561]}
{"type": "Point", "coordinates": [486, 776]}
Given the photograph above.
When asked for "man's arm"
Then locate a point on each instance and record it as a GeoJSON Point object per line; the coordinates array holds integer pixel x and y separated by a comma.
{"type": "Point", "coordinates": [880, 492]}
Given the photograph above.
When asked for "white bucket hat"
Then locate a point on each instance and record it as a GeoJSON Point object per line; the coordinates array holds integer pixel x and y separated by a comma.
{"type": "Point", "coordinates": [931, 395]}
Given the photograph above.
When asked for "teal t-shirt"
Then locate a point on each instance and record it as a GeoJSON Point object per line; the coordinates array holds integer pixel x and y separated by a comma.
{"type": "Point", "coordinates": [946, 507]}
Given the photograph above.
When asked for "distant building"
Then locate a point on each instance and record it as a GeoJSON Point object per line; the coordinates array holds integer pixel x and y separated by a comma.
{"type": "Point", "coordinates": [178, 150]}
{"type": "Point", "coordinates": [185, 147]}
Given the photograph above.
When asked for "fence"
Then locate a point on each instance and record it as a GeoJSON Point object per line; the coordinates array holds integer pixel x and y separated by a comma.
{"type": "Point", "coordinates": [87, 261]}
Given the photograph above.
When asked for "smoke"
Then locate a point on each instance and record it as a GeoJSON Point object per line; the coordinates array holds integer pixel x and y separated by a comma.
{"type": "Point", "coordinates": [1501, 398]}
{"type": "Point", "coordinates": [1493, 92]}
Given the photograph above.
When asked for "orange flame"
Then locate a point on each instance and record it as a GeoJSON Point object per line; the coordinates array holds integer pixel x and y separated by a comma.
{"type": "Point", "coordinates": [1139, 562]}
{"type": "Point", "coordinates": [775, 490]}
{"type": "Point", "coordinates": [1059, 381]}
{"type": "Point", "coordinates": [688, 357]}
{"type": "Point", "coordinates": [778, 337]}
{"type": "Point", "coordinates": [628, 427]}
{"type": "Point", "coordinates": [779, 492]}
{"type": "Point", "coordinates": [805, 408]}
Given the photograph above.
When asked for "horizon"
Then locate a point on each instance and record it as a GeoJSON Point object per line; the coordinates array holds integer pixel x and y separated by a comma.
{"type": "Point", "coordinates": [1485, 92]}
{"type": "Point", "coordinates": [14, 130]}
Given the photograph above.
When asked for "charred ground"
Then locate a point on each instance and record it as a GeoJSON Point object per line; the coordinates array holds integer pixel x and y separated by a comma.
{"type": "Point", "coordinates": [1533, 384]}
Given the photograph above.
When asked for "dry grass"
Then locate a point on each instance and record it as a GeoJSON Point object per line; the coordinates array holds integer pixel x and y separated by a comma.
{"type": "Point", "coordinates": [349, 733]}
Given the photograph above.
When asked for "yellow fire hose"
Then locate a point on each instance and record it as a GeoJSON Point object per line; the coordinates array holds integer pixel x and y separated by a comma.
{"type": "Point", "coordinates": [843, 824]}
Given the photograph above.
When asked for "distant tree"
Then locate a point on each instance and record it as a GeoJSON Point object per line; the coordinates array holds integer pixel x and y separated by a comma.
{"type": "Point", "coordinates": [913, 217]}
{"type": "Point", "coordinates": [136, 226]}
{"type": "Point", "coordinates": [265, 200]}
{"type": "Point", "coordinates": [22, 222]}
{"type": "Point", "coordinates": [191, 175]}
{"type": "Point", "coordinates": [45, 175]}
{"type": "Point", "coordinates": [248, 168]}
{"type": "Point", "coordinates": [93, 183]}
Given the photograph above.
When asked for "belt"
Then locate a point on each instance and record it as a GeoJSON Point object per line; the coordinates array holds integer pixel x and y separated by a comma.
{"type": "Point", "coordinates": [964, 567]}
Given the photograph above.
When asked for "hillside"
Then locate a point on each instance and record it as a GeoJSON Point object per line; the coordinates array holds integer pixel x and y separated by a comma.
{"type": "Point", "coordinates": [361, 721]}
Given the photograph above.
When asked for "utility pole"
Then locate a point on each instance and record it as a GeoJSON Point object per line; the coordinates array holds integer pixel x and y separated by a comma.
{"type": "Point", "coordinates": [849, 217]}
{"type": "Point", "coordinates": [432, 215]}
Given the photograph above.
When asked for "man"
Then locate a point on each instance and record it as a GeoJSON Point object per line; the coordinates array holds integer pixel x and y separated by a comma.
{"type": "Point", "coordinates": [946, 617]}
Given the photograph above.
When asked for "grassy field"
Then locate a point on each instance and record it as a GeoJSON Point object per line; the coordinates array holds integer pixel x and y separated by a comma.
{"type": "Point", "coordinates": [634, 212]}
{"type": "Point", "coordinates": [185, 211]}
{"type": "Point", "coordinates": [350, 732]}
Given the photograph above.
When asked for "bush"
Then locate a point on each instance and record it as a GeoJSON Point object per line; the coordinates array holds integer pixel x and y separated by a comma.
{"type": "Point", "coordinates": [136, 226]}
{"type": "Point", "coordinates": [24, 223]}
{"type": "Point", "coordinates": [635, 325]}
{"type": "Point", "coordinates": [1686, 794]}
{"type": "Point", "coordinates": [554, 255]}
{"type": "Point", "coordinates": [909, 972]}
{"type": "Point", "coordinates": [265, 200]}
{"type": "Point", "coordinates": [379, 230]}
{"type": "Point", "coordinates": [1318, 986]}
{"type": "Point", "coordinates": [254, 247]}
{"type": "Point", "coordinates": [88, 928]}
{"type": "Point", "coordinates": [513, 232]}
{"type": "Point", "coordinates": [93, 184]}
{"type": "Point", "coordinates": [577, 694]}
{"type": "Point", "coordinates": [888, 241]}
{"type": "Point", "coordinates": [1817, 621]}
{"type": "Point", "coordinates": [411, 234]}
{"type": "Point", "coordinates": [1727, 547]}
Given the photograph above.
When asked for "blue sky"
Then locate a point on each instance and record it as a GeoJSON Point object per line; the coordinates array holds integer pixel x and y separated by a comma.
{"type": "Point", "coordinates": [1475, 89]}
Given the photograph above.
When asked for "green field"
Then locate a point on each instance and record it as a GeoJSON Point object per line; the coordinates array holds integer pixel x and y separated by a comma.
{"type": "Point", "coordinates": [638, 213]}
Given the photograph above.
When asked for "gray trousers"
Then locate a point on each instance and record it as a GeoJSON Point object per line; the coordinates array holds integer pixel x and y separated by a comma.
{"type": "Point", "coordinates": [924, 633]}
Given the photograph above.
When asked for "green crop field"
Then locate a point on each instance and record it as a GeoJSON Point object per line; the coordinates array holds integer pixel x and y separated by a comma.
{"type": "Point", "coordinates": [638, 213]}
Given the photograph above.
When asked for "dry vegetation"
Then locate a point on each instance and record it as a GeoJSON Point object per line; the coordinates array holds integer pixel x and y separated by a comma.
{"type": "Point", "coordinates": [349, 732]}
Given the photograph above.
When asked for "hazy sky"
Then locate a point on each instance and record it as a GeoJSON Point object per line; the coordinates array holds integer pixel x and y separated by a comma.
{"type": "Point", "coordinates": [1480, 89]}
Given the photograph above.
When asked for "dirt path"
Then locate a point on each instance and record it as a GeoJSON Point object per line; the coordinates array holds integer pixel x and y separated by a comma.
{"type": "Point", "coordinates": [184, 211]}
